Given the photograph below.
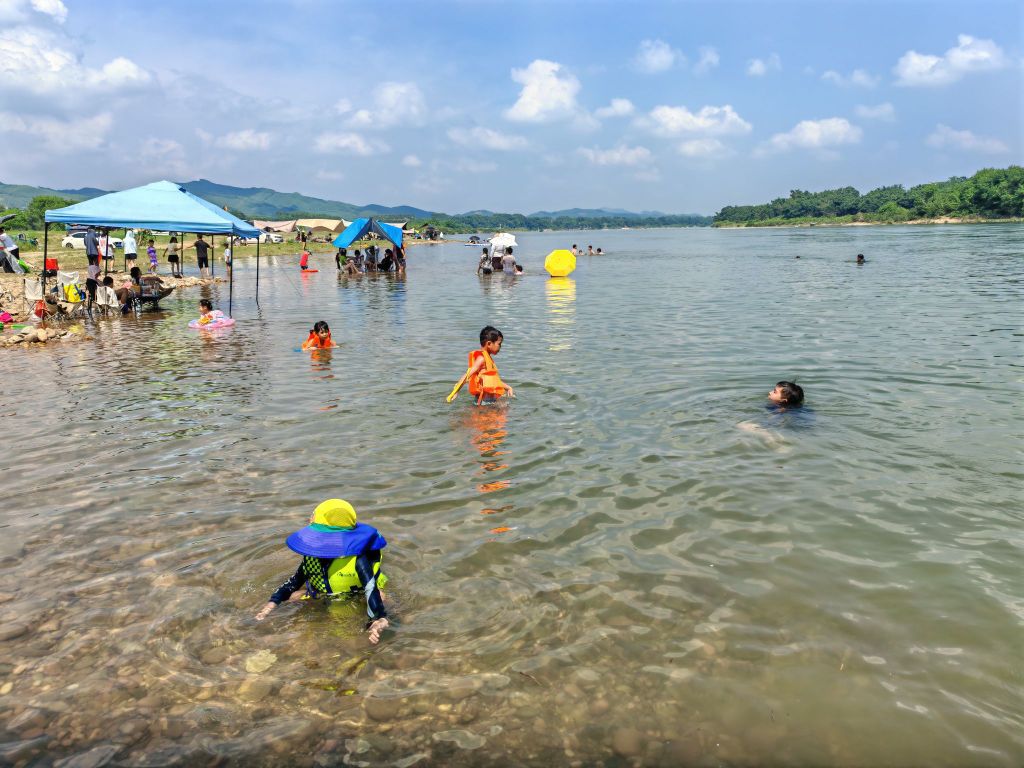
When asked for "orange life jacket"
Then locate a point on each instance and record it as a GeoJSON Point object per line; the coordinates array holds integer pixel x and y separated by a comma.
{"type": "Point", "coordinates": [315, 342]}
{"type": "Point", "coordinates": [487, 382]}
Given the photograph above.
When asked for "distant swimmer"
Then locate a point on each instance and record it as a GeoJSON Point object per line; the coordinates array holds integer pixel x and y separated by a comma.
{"type": "Point", "coordinates": [340, 558]}
{"type": "Point", "coordinates": [482, 375]}
{"type": "Point", "coordinates": [861, 259]}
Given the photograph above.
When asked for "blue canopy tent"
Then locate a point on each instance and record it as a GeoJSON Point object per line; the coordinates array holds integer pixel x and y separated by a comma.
{"type": "Point", "coordinates": [162, 205]}
{"type": "Point", "coordinates": [360, 228]}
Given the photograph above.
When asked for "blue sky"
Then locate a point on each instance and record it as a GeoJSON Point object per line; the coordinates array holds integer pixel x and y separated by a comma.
{"type": "Point", "coordinates": [456, 106]}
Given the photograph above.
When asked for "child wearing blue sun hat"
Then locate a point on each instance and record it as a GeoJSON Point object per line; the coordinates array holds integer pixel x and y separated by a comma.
{"type": "Point", "coordinates": [340, 557]}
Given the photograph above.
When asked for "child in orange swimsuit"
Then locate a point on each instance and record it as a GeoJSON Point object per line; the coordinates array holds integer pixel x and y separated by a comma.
{"type": "Point", "coordinates": [482, 375]}
{"type": "Point", "coordinates": [319, 337]}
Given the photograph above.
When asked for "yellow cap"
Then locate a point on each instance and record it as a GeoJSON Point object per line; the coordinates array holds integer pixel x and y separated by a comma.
{"type": "Point", "coordinates": [336, 513]}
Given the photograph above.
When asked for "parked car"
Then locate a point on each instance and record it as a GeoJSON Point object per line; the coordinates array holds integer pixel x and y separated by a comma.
{"type": "Point", "coordinates": [76, 240]}
{"type": "Point", "coordinates": [265, 237]}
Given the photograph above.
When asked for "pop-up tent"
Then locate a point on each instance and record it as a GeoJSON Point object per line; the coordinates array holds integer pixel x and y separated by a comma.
{"type": "Point", "coordinates": [163, 206]}
{"type": "Point", "coordinates": [322, 225]}
{"type": "Point", "coordinates": [275, 226]}
{"type": "Point", "coordinates": [360, 228]}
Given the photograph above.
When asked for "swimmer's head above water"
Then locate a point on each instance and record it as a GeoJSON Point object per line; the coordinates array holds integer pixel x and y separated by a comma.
{"type": "Point", "coordinates": [787, 393]}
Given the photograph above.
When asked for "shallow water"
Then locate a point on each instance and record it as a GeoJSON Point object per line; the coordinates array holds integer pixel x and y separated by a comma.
{"type": "Point", "coordinates": [686, 578]}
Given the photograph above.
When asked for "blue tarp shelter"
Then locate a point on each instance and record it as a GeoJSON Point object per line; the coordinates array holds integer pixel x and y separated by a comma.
{"type": "Point", "coordinates": [360, 228]}
{"type": "Point", "coordinates": [162, 205]}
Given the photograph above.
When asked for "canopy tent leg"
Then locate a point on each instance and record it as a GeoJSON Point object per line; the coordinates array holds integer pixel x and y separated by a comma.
{"type": "Point", "coordinates": [213, 256]}
{"type": "Point", "coordinates": [231, 288]}
{"type": "Point", "coordinates": [42, 272]}
{"type": "Point", "coordinates": [257, 270]}
{"type": "Point", "coordinates": [106, 248]}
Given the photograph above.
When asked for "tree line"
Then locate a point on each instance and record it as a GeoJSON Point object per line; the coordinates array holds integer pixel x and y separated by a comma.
{"type": "Point", "coordinates": [496, 222]}
{"type": "Point", "coordinates": [991, 193]}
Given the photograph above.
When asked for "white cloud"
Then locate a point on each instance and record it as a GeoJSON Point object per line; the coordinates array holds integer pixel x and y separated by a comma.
{"type": "Point", "coordinates": [53, 8]}
{"type": "Point", "coordinates": [655, 56]}
{"type": "Point", "coordinates": [393, 104]}
{"type": "Point", "coordinates": [38, 61]}
{"type": "Point", "coordinates": [548, 93]}
{"type": "Point", "coordinates": [708, 59]}
{"type": "Point", "coordinates": [350, 144]}
{"type": "Point", "coordinates": [969, 55]}
{"type": "Point", "coordinates": [486, 138]}
{"type": "Point", "coordinates": [20, 11]}
{"type": "Point", "coordinates": [163, 155]}
{"type": "Point", "coordinates": [58, 135]}
{"type": "Point", "coordinates": [945, 137]}
{"type": "Point", "coordinates": [712, 121]}
{"type": "Point", "coordinates": [411, 161]}
{"type": "Point", "coordinates": [884, 111]}
{"type": "Point", "coordinates": [620, 155]}
{"type": "Point", "coordinates": [617, 108]}
{"type": "Point", "coordinates": [244, 140]}
{"type": "Point", "coordinates": [343, 106]}
{"type": "Point", "coordinates": [761, 67]}
{"type": "Point", "coordinates": [702, 148]}
{"type": "Point", "coordinates": [859, 78]}
{"type": "Point", "coordinates": [817, 134]}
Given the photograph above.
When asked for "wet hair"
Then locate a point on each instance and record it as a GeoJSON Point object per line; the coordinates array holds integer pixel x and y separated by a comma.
{"type": "Point", "coordinates": [792, 394]}
{"type": "Point", "coordinates": [206, 304]}
{"type": "Point", "coordinates": [508, 249]}
{"type": "Point", "coordinates": [484, 250]}
{"type": "Point", "coordinates": [320, 326]}
{"type": "Point", "coordinates": [136, 274]}
{"type": "Point", "coordinates": [489, 333]}
{"type": "Point", "coordinates": [519, 269]}
{"type": "Point", "coordinates": [860, 257]}
{"type": "Point", "coordinates": [108, 281]}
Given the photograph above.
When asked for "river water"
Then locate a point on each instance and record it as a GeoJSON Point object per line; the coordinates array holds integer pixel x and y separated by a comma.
{"type": "Point", "coordinates": [635, 561]}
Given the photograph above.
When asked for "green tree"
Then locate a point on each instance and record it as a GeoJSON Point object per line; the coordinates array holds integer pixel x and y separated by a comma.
{"type": "Point", "coordinates": [37, 207]}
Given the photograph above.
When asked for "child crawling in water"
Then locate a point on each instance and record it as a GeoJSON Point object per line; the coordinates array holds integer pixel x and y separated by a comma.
{"type": "Point", "coordinates": [319, 337]}
{"type": "Point", "coordinates": [340, 558]}
{"type": "Point", "coordinates": [482, 375]}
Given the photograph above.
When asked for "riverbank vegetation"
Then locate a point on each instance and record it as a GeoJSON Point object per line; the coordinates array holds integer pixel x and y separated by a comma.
{"type": "Point", "coordinates": [990, 194]}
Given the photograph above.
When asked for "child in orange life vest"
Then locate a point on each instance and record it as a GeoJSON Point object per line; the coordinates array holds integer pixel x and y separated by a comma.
{"type": "Point", "coordinates": [319, 337]}
{"type": "Point", "coordinates": [482, 376]}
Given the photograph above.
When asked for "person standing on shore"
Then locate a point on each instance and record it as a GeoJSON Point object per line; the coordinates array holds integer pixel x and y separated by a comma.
{"type": "Point", "coordinates": [202, 255]}
{"type": "Point", "coordinates": [131, 249]}
{"type": "Point", "coordinates": [92, 247]}
{"type": "Point", "coordinates": [171, 252]}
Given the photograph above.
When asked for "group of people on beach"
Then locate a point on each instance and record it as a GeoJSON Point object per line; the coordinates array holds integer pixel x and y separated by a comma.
{"type": "Point", "coordinates": [369, 260]}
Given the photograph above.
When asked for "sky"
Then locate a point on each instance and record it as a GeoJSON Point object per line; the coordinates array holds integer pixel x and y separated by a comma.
{"type": "Point", "coordinates": [679, 107]}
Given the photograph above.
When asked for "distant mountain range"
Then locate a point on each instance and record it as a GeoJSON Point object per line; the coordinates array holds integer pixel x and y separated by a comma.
{"type": "Point", "coordinates": [264, 203]}
{"type": "Point", "coordinates": [595, 213]}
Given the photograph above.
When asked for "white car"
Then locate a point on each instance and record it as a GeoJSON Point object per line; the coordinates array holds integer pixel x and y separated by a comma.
{"type": "Point", "coordinates": [265, 237]}
{"type": "Point", "coordinates": [76, 240]}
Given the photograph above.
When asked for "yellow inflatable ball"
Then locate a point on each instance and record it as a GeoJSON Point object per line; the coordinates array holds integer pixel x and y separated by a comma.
{"type": "Point", "coordinates": [560, 263]}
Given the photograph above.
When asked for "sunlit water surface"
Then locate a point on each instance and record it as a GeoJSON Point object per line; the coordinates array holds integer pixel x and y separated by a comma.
{"type": "Point", "coordinates": [634, 561]}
